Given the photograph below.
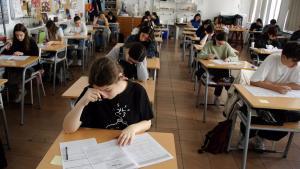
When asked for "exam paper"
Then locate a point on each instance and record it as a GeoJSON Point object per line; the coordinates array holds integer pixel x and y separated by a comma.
{"type": "Point", "coordinates": [221, 62]}
{"type": "Point", "coordinates": [11, 57]}
{"type": "Point", "coordinates": [76, 156]}
{"type": "Point", "coordinates": [144, 151]}
{"type": "Point", "coordinates": [108, 155]}
{"type": "Point", "coordinates": [261, 92]}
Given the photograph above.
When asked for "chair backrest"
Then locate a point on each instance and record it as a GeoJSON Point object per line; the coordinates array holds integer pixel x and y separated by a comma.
{"type": "Point", "coordinates": [41, 37]}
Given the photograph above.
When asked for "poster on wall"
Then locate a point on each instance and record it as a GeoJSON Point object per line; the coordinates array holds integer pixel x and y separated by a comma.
{"type": "Point", "coordinates": [16, 9]}
{"type": "Point", "coordinates": [36, 3]}
{"type": "Point", "coordinates": [5, 12]}
{"type": "Point", "coordinates": [46, 6]}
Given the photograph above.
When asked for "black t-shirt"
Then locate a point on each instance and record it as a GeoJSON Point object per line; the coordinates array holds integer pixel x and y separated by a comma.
{"type": "Point", "coordinates": [130, 70]}
{"type": "Point", "coordinates": [129, 107]}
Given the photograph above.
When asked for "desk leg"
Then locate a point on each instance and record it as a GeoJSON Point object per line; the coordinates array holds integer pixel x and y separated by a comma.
{"type": "Point", "coordinates": [183, 52]}
{"type": "Point", "coordinates": [247, 133]}
{"type": "Point", "coordinates": [23, 95]}
{"type": "Point", "coordinates": [154, 74]}
{"type": "Point", "coordinates": [4, 121]}
{"type": "Point", "coordinates": [206, 95]}
{"type": "Point", "coordinates": [288, 145]}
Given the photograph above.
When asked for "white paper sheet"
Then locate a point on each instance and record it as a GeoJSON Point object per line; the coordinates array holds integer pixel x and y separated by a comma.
{"type": "Point", "coordinates": [11, 57]}
{"type": "Point", "coordinates": [257, 91]}
{"type": "Point", "coordinates": [108, 155]}
{"type": "Point", "coordinates": [20, 58]}
{"type": "Point", "coordinates": [146, 151]}
{"type": "Point", "coordinates": [221, 62]}
{"type": "Point", "coordinates": [76, 157]}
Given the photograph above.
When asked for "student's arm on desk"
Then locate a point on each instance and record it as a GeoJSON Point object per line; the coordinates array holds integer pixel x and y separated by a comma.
{"type": "Point", "coordinates": [72, 120]}
{"type": "Point", "coordinates": [204, 54]}
{"type": "Point", "coordinates": [293, 86]}
{"type": "Point", "coordinates": [142, 71]}
{"type": "Point", "coordinates": [129, 132]}
{"type": "Point", "coordinates": [280, 88]}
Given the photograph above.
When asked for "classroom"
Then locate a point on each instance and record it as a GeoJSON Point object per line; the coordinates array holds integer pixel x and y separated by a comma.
{"type": "Point", "coordinates": [152, 84]}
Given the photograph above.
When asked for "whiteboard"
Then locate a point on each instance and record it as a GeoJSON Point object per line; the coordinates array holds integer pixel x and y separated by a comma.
{"type": "Point", "coordinates": [16, 9]}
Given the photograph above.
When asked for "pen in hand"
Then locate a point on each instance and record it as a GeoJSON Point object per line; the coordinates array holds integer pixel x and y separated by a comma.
{"type": "Point", "coordinates": [67, 156]}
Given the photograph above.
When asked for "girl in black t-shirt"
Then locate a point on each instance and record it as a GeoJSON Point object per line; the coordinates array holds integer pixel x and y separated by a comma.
{"type": "Point", "coordinates": [111, 102]}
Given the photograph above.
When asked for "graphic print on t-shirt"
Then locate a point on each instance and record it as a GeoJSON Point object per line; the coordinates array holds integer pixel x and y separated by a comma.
{"type": "Point", "coordinates": [120, 112]}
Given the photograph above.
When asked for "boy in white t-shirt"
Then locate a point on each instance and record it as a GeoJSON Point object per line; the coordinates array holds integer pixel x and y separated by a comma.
{"type": "Point", "coordinates": [280, 73]}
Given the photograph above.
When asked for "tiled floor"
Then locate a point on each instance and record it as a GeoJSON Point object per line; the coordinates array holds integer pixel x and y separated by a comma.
{"type": "Point", "coordinates": [175, 112]}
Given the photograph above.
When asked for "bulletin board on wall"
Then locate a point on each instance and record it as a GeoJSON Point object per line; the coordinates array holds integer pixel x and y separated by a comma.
{"type": "Point", "coordinates": [5, 12]}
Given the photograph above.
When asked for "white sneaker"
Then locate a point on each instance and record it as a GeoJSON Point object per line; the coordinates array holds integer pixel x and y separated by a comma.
{"type": "Point", "coordinates": [217, 101]}
{"type": "Point", "coordinates": [79, 62]}
{"type": "Point", "coordinates": [259, 143]}
{"type": "Point", "coordinates": [18, 99]}
{"type": "Point", "coordinates": [70, 62]}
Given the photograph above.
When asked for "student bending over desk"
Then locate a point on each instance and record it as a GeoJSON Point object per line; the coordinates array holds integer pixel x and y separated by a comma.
{"type": "Point", "coordinates": [101, 36]}
{"type": "Point", "coordinates": [280, 73]}
{"type": "Point", "coordinates": [110, 102]}
{"type": "Point", "coordinates": [132, 57]}
{"type": "Point", "coordinates": [217, 49]}
{"type": "Point", "coordinates": [146, 37]}
{"type": "Point", "coordinates": [22, 45]}
{"type": "Point", "coordinates": [205, 31]}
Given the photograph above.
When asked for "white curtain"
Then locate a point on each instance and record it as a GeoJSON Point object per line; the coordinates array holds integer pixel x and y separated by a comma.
{"type": "Point", "coordinates": [293, 19]}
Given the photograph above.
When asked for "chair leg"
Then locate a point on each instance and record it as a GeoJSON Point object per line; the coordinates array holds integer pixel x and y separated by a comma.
{"type": "Point", "coordinates": [31, 92]}
{"type": "Point", "coordinates": [38, 90]}
{"type": "Point", "coordinates": [41, 82]}
{"type": "Point", "coordinates": [54, 78]}
{"type": "Point", "coordinates": [4, 122]}
{"type": "Point", "coordinates": [198, 92]}
{"type": "Point", "coordinates": [288, 145]}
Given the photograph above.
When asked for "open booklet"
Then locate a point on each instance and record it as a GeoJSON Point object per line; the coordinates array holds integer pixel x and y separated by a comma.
{"type": "Point", "coordinates": [222, 62]}
{"type": "Point", "coordinates": [12, 57]}
{"type": "Point", "coordinates": [143, 151]}
{"type": "Point", "coordinates": [261, 92]}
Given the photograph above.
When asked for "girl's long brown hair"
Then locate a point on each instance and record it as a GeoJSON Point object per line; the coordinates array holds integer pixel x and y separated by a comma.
{"type": "Point", "coordinates": [26, 41]}
{"type": "Point", "coordinates": [52, 29]}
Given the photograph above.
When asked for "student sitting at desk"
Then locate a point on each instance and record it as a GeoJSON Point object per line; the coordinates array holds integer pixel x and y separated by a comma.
{"type": "Point", "coordinates": [146, 37]}
{"type": "Point", "coordinates": [279, 73]}
{"type": "Point", "coordinates": [110, 102]}
{"type": "Point", "coordinates": [22, 45]}
{"type": "Point", "coordinates": [257, 26]}
{"type": "Point", "coordinates": [196, 21]}
{"type": "Point", "coordinates": [217, 49]}
{"type": "Point", "coordinates": [270, 38]}
{"type": "Point", "coordinates": [76, 29]}
{"type": "Point", "coordinates": [205, 31]}
{"type": "Point", "coordinates": [132, 57]}
{"type": "Point", "coordinates": [111, 17]}
{"type": "Point", "coordinates": [155, 19]}
{"type": "Point", "coordinates": [102, 36]}
{"type": "Point", "coordinates": [271, 25]}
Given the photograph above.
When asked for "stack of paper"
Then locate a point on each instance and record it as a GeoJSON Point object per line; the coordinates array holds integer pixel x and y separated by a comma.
{"type": "Point", "coordinates": [261, 92]}
{"type": "Point", "coordinates": [12, 57]}
{"type": "Point", "coordinates": [87, 154]}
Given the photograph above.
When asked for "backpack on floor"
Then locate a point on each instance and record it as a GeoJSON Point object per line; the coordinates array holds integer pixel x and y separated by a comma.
{"type": "Point", "coordinates": [216, 141]}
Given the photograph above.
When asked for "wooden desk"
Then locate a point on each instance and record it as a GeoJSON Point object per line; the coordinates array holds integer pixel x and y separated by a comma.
{"type": "Point", "coordinates": [75, 90]}
{"type": "Point", "coordinates": [263, 51]}
{"type": "Point", "coordinates": [153, 64]}
{"type": "Point", "coordinates": [24, 65]}
{"type": "Point", "coordinates": [192, 29]}
{"type": "Point", "coordinates": [54, 48]}
{"type": "Point", "coordinates": [279, 103]}
{"type": "Point", "coordinates": [209, 64]}
{"type": "Point", "coordinates": [255, 102]}
{"type": "Point", "coordinates": [188, 33]}
{"type": "Point", "coordinates": [164, 139]}
{"type": "Point", "coordinates": [2, 81]}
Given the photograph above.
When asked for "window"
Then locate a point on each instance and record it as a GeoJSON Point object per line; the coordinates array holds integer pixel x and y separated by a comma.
{"type": "Point", "coordinates": [265, 9]}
